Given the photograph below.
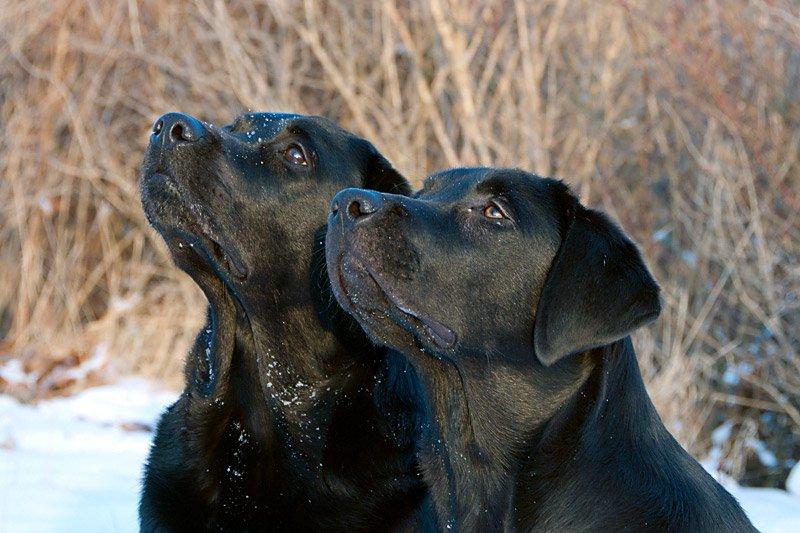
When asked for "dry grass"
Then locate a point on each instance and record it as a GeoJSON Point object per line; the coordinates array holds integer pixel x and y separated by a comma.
{"type": "Point", "coordinates": [682, 119]}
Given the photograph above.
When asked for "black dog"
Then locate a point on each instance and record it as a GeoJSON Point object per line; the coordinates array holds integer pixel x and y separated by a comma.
{"type": "Point", "coordinates": [515, 304]}
{"type": "Point", "coordinates": [288, 419]}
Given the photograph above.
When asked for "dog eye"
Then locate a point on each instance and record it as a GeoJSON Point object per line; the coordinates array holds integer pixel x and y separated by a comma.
{"type": "Point", "coordinates": [295, 155]}
{"type": "Point", "coordinates": [494, 212]}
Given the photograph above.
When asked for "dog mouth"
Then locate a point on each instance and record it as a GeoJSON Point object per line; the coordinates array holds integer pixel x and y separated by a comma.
{"type": "Point", "coordinates": [411, 320]}
{"type": "Point", "coordinates": [192, 232]}
{"type": "Point", "coordinates": [214, 250]}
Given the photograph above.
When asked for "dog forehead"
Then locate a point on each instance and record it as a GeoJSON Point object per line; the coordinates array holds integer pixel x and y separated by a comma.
{"type": "Point", "coordinates": [456, 184]}
{"type": "Point", "coordinates": [259, 126]}
{"type": "Point", "coordinates": [266, 125]}
{"type": "Point", "coordinates": [451, 184]}
{"type": "Point", "coordinates": [266, 119]}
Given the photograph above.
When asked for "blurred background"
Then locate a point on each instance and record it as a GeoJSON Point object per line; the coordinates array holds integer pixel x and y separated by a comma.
{"type": "Point", "coordinates": [679, 118]}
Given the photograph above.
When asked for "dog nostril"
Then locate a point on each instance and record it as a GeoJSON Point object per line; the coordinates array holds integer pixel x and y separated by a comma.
{"type": "Point", "coordinates": [354, 209]}
{"type": "Point", "coordinates": [158, 126]}
{"type": "Point", "coordinates": [178, 132]}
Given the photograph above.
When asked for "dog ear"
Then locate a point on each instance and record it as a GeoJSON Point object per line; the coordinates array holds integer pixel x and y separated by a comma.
{"type": "Point", "coordinates": [598, 289]}
{"type": "Point", "coordinates": [381, 176]}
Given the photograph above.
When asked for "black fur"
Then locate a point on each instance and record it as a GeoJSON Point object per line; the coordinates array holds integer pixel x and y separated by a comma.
{"type": "Point", "coordinates": [515, 303]}
{"type": "Point", "coordinates": [291, 419]}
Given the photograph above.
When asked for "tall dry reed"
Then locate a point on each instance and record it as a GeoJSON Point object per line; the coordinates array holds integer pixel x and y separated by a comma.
{"type": "Point", "coordinates": [681, 119]}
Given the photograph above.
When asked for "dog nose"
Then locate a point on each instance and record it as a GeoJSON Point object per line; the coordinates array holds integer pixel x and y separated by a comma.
{"type": "Point", "coordinates": [354, 205]}
{"type": "Point", "coordinates": [174, 128]}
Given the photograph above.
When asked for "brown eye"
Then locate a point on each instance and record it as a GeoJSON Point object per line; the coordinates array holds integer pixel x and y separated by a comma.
{"type": "Point", "coordinates": [493, 212]}
{"type": "Point", "coordinates": [295, 155]}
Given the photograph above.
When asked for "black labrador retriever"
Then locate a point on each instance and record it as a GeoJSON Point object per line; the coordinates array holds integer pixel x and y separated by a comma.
{"type": "Point", "coordinates": [515, 304]}
{"type": "Point", "coordinates": [291, 419]}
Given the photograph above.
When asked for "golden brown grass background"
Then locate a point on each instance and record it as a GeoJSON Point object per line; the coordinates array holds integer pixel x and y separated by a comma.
{"type": "Point", "coordinates": [681, 119]}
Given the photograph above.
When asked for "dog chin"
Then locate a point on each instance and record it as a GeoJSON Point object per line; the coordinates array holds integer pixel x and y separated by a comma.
{"type": "Point", "coordinates": [190, 241]}
{"type": "Point", "coordinates": [355, 289]}
{"type": "Point", "coordinates": [383, 313]}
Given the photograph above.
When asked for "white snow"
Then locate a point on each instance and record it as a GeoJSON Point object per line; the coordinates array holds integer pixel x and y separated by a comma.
{"type": "Point", "coordinates": [74, 464]}
{"type": "Point", "coordinates": [720, 435]}
{"type": "Point", "coordinates": [764, 454]}
{"type": "Point", "coordinates": [793, 481]}
{"type": "Point", "coordinates": [13, 372]}
{"type": "Point", "coordinates": [770, 510]}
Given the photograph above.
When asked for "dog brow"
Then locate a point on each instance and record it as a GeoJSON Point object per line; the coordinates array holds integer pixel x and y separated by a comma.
{"type": "Point", "coordinates": [494, 186]}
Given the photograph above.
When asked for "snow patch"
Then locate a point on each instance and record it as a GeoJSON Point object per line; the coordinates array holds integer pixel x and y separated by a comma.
{"type": "Point", "coordinates": [793, 481]}
{"type": "Point", "coordinates": [13, 372]}
{"type": "Point", "coordinates": [722, 433]}
{"type": "Point", "coordinates": [770, 510]}
{"type": "Point", "coordinates": [74, 464]}
{"type": "Point", "coordinates": [763, 452]}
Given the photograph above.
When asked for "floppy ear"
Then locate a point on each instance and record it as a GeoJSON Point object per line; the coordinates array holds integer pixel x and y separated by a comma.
{"type": "Point", "coordinates": [381, 176]}
{"type": "Point", "coordinates": [598, 289]}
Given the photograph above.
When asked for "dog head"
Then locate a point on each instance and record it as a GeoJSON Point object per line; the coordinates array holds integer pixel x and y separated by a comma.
{"type": "Point", "coordinates": [499, 264]}
{"type": "Point", "coordinates": [243, 207]}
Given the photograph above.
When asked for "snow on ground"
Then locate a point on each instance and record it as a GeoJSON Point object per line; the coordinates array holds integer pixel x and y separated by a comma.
{"type": "Point", "coordinates": [74, 464]}
{"type": "Point", "coordinates": [770, 510]}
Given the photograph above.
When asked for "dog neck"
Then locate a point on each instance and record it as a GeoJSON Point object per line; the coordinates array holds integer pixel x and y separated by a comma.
{"type": "Point", "coordinates": [269, 455]}
{"type": "Point", "coordinates": [597, 429]}
{"type": "Point", "coordinates": [609, 435]}
{"type": "Point", "coordinates": [309, 366]}
{"type": "Point", "coordinates": [479, 419]}
{"type": "Point", "coordinates": [274, 405]}
{"type": "Point", "coordinates": [319, 371]}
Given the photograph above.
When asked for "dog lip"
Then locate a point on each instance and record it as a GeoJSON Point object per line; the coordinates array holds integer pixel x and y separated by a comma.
{"type": "Point", "coordinates": [340, 286]}
{"type": "Point", "coordinates": [232, 261]}
{"type": "Point", "coordinates": [441, 335]}
{"type": "Point", "coordinates": [220, 253]}
{"type": "Point", "coordinates": [217, 250]}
